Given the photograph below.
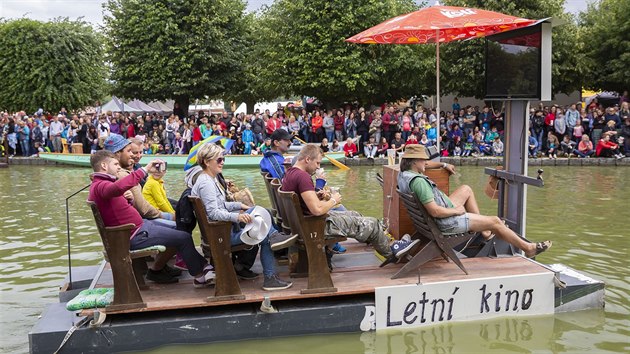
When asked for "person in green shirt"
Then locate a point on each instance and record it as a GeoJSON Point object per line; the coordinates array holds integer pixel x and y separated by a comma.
{"type": "Point", "coordinates": [457, 212]}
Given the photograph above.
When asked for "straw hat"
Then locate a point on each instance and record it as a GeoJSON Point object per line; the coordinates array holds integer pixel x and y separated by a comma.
{"type": "Point", "coordinates": [416, 151]}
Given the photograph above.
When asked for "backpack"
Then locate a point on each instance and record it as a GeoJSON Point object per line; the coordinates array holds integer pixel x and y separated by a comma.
{"type": "Point", "coordinates": [184, 215]}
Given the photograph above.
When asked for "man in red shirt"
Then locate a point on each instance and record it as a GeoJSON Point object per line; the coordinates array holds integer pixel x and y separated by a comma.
{"type": "Point", "coordinates": [339, 223]}
{"type": "Point", "coordinates": [109, 196]}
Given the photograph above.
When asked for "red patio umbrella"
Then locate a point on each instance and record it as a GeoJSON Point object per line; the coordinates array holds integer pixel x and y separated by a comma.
{"type": "Point", "coordinates": [439, 24]}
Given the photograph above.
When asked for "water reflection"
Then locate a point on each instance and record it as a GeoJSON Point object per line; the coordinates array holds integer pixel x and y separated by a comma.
{"type": "Point", "coordinates": [584, 210]}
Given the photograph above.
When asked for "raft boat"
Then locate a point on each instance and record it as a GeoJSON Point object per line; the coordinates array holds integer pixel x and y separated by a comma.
{"type": "Point", "coordinates": [366, 298]}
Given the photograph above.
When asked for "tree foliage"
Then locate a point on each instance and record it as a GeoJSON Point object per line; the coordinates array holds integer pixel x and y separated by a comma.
{"type": "Point", "coordinates": [301, 51]}
{"type": "Point", "coordinates": [50, 65]}
{"type": "Point", "coordinates": [161, 49]}
{"type": "Point", "coordinates": [463, 62]}
{"type": "Point", "coordinates": [605, 32]}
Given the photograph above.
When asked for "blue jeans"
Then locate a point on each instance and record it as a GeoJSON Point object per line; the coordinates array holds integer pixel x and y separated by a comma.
{"type": "Point", "coordinates": [258, 138]}
{"type": "Point", "coordinates": [153, 233]}
{"type": "Point", "coordinates": [581, 154]}
{"type": "Point", "coordinates": [167, 216]}
{"type": "Point", "coordinates": [266, 254]}
{"type": "Point", "coordinates": [330, 135]}
{"type": "Point", "coordinates": [26, 148]}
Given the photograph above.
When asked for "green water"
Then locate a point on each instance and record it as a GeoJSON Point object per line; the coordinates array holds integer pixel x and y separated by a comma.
{"type": "Point", "coordinates": [584, 210]}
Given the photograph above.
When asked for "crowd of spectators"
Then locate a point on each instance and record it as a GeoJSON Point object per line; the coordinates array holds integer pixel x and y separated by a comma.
{"type": "Point", "coordinates": [575, 130]}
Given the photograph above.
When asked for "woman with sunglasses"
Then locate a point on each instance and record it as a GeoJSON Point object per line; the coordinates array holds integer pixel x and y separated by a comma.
{"type": "Point", "coordinates": [207, 187]}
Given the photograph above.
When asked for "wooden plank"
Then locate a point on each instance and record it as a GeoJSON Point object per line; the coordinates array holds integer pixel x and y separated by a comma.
{"type": "Point", "coordinates": [348, 281]}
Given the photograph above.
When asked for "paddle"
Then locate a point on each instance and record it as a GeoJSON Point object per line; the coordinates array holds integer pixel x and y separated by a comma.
{"type": "Point", "coordinates": [339, 165]}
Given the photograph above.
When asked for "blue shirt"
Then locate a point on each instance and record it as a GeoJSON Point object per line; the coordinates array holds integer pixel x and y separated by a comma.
{"type": "Point", "coordinates": [276, 170]}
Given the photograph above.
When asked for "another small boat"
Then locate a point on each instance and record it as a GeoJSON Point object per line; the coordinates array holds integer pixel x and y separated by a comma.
{"type": "Point", "coordinates": [174, 161]}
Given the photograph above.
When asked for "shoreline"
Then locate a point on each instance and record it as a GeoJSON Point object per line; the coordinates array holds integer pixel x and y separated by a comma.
{"type": "Point", "coordinates": [457, 161]}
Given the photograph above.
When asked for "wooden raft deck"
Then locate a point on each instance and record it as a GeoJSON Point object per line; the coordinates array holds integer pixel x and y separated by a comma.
{"type": "Point", "coordinates": [355, 273]}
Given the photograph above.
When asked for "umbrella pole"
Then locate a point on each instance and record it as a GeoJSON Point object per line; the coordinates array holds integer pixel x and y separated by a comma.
{"type": "Point", "coordinates": [437, 87]}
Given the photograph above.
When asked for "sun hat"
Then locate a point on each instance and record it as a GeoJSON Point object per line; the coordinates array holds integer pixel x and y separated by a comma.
{"type": "Point", "coordinates": [254, 232]}
{"type": "Point", "coordinates": [115, 142]}
{"type": "Point", "coordinates": [416, 151]}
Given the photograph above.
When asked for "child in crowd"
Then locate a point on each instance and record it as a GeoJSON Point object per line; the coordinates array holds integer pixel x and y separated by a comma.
{"type": "Point", "coordinates": [155, 193]}
{"type": "Point", "coordinates": [335, 146]}
{"type": "Point", "coordinates": [497, 145]}
{"type": "Point", "coordinates": [369, 148]}
{"type": "Point", "coordinates": [457, 150]}
{"type": "Point", "coordinates": [468, 146]}
{"type": "Point", "coordinates": [585, 147]}
{"type": "Point", "coordinates": [567, 146]}
{"type": "Point", "coordinates": [552, 145]}
{"type": "Point", "coordinates": [178, 144]}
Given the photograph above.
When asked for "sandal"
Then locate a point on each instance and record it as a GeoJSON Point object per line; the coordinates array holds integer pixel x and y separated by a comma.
{"type": "Point", "coordinates": [541, 247]}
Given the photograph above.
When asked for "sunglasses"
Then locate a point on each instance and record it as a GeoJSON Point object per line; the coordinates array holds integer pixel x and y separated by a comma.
{"type": "Point", "coordinates": [220, 160]}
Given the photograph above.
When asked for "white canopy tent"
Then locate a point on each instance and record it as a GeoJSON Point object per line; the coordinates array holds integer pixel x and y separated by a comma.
{"type": "Point", "coordinates": [117, 105]}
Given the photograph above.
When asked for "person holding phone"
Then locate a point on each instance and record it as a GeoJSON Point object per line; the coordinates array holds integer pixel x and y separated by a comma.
{"type": "Point", "coordinates": [109, 195]}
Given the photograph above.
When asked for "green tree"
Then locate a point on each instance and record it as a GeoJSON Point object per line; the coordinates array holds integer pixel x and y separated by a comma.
{"type": "Point", "coordinates": [305, 53]}
{"type": "Point", "coordinates": [605, 32]}
{"type": "Point", "coordinates": [160, 49]}
{"type": "Point", "coordinates": [50, 65]}
{"type": "Point", "coordinates": [463, 62]}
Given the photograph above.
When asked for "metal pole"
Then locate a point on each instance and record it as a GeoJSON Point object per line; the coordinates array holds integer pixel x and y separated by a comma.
{"type": "Point", "coordinates": [68, 232]}
{"type": "Point", "coordinates": [437, 104]}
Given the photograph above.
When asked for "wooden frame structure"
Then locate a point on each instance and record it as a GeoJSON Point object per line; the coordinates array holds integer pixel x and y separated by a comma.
{"type": "Point", "coordinates": [217, 236]}
{"type": "Point", "coordinates": [127, 269]}
{"type": "Point", "coordinates": [438, 244]}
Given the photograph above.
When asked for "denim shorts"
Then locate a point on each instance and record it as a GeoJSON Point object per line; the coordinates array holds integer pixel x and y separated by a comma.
{"type": "Point", "coordinates": [453, 224]}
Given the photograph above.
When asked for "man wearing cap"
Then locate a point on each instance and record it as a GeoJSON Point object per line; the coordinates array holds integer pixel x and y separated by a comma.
{"type": "Point", "coordinates": [458, 212]}
{"type": "Point", "coordinates": [273, 161]}
{"type": "Point", "coordinates": [56, 127]}
{"type": "Point", "coordinates": [124, 152]}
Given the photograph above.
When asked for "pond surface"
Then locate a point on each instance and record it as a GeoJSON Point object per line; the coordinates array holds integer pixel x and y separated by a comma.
{"type": "Point", "coordinates": [584, 210]}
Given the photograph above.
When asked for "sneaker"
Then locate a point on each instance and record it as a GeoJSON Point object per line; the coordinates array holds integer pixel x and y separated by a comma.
{"type": "Point", "coordinates": [180, 264]}
{"type": "Point", "coordinates": [174, 272]}
{"type": "Point", "coordinates": [280, 240]}
{"type": "Point", "coordinates": [246, 274]}
{"type": "Point", "coordinates": [274, 283]}
{"type": "Point", "coordinates": [402, 246]}
{"type": "Point", "coordinates": [161, 276]}
{"type": "Point", "coordinates": [207, 280]}
{"type": "Point", "coordinates": [338, 248]}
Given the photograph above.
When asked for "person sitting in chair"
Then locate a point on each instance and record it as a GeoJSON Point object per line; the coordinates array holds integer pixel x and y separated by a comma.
{"type": "Point", "coordinates": [338, 223]}
{"type": "Point", "coordinates": [458, 212]}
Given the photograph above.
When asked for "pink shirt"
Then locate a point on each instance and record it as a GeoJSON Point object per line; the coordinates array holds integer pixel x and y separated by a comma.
{"type": "Point", "coordinates": [107, 193]}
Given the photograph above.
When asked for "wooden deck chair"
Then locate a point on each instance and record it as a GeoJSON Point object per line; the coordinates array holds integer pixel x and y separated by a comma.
{"type": "Point", "coordinates": [438, 244]}
{"type": "Point", "coordinates": [274, 203]}
{"type": "Point", "coordinates": [311, 235]}
{"type": "Point", "coordinates": [217, 236]}
{"type": "Point", "coordinates": [127, 268]}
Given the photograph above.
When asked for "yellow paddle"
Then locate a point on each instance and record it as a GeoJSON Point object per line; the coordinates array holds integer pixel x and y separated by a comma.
{"type": "Point", "coordinates": [339, 165]}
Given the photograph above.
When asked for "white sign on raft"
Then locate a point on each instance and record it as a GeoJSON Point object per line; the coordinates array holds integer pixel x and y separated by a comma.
{"type": "Point", "coordinates": [461, 300]}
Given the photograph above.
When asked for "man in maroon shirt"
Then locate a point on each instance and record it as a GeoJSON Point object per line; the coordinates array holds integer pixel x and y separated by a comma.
{"type": "Point", "coordinates": [109, 196]}
{"type": "Point", "coordinates": [339, 223]}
